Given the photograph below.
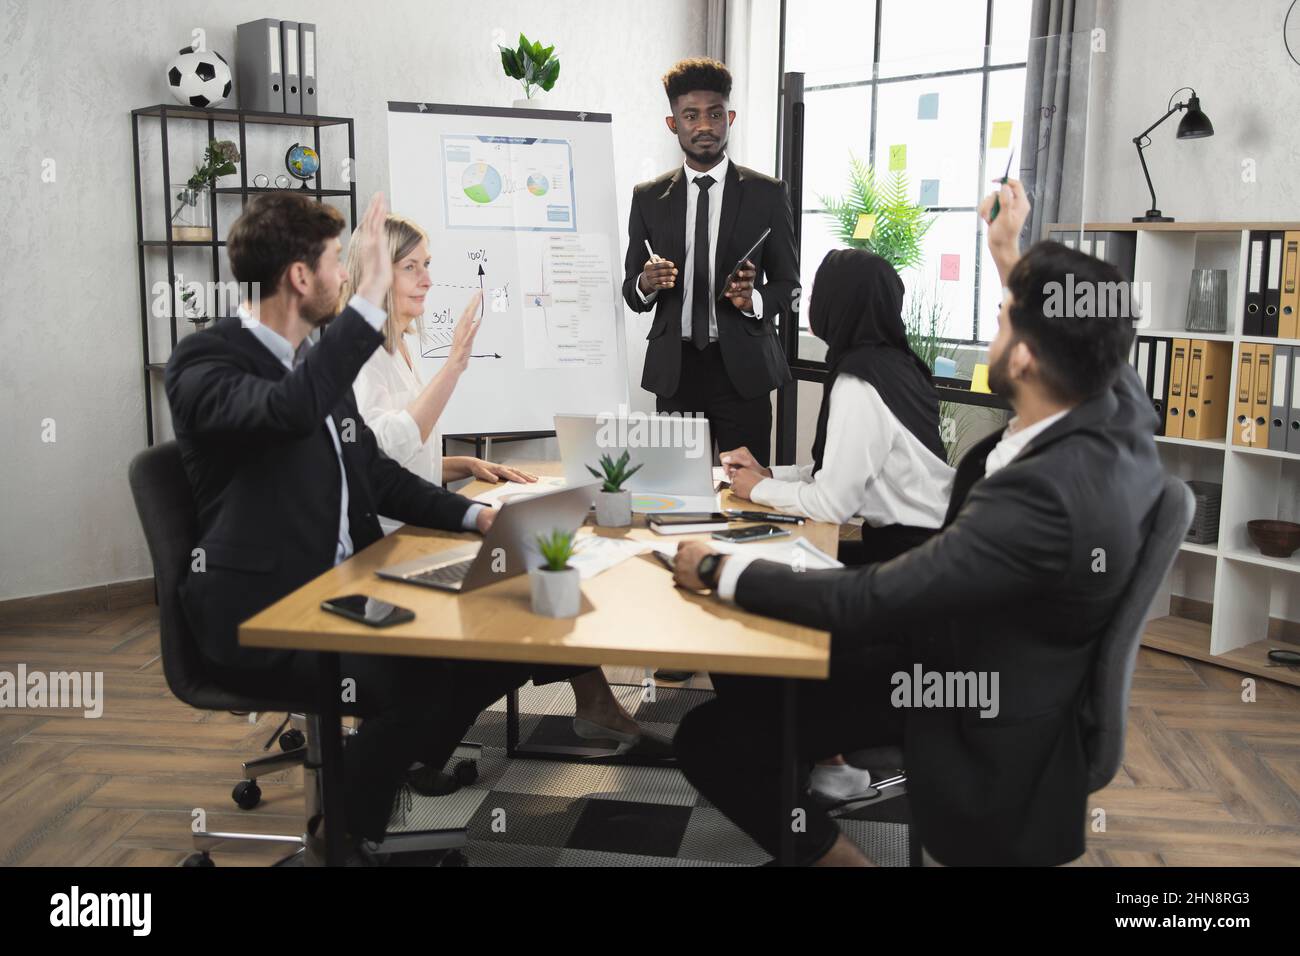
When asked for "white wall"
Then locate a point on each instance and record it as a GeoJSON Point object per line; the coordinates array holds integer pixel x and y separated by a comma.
{"type": "Point", "coordinates": [69, 312]}
{"type": "Point", "coordinates": [1231, 52]}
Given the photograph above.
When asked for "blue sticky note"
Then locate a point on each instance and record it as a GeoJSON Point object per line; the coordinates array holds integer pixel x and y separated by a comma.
{"type": "Point", "coordinates": [927, 106]}
{"type": "Point", "coordinates": [929, 192]}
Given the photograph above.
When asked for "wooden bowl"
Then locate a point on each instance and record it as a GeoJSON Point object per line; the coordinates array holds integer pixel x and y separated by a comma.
{"type": "Point", "coordinates": [1277, 539]}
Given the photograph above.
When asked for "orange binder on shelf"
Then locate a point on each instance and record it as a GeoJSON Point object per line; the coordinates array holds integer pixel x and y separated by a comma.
{"type": "Point", "coordinates": [1242, 408]}
{"type": "Point", "coordinates": [1288, 323]}
{"type": "Point", "coordinates": [1261, 396]}
{"type": "Point", "coordinates": [1205, 411]}
{"type": "Point", "coordinates": [1177, 389]}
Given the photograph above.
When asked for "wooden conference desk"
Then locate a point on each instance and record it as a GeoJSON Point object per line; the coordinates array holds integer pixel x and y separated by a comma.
{"type": "Point", "coordinates": [631, 614]}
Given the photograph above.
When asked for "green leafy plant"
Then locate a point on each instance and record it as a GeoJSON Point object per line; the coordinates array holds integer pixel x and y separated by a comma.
{"type": "Point", "coordinates": [218, 160]}
{"type": "Point", "coordinates": [532, 64]}
{"type": "Point", "coordinates": [901, 224]}
{"type": "Point", "coordinates": [924, 318]}
{"type": "Point", "coordinates": [557, 549]}
{"type": "Point", "coordinates": [614, 472]}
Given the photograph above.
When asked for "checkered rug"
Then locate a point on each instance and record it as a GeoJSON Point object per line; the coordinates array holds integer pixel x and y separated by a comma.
{"type": "Point", "coordinates": [531, 812]}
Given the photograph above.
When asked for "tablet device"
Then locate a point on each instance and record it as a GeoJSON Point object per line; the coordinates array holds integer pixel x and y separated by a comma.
{"type": "Point", "coordinates": [741, 261]}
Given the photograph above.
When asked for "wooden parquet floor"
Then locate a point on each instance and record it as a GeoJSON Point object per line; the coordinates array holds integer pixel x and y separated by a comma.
{"type": "Point", "coordinates": [1208, 779]}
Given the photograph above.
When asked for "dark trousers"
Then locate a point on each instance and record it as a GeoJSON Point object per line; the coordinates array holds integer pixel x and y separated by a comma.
{"type": "Point", "coordinates": [883, 543]}
{"type": "Point", "coordinates": [415, 709]}
{"type": "Point", "coordinates": [705, 389]}
{"type": "Point", "coordinates": [730, 747]}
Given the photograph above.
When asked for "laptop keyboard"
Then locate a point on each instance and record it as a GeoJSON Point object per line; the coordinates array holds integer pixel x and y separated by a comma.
{"type": "Point", "coordinates": [445, 576]}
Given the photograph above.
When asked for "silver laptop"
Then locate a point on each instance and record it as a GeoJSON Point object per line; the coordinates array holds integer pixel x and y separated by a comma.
{"type": "Point", "coordinates": [675, 452]}
{"type": "Point", "coordinates": [509, 548]}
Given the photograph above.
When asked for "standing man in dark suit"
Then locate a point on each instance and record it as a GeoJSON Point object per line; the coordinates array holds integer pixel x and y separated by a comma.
{"type": "Point", "coordinates": [1044, 528]}
{"type": "Point", "coordinates": [288, 480]}
{"type": "Point", "coordinates": [709, 353]}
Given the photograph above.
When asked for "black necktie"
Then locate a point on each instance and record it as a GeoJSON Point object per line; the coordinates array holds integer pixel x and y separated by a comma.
{"type": "Point", "coordinates": [700, 287]}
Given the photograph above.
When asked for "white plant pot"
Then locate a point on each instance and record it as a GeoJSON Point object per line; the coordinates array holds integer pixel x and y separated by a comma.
{"type": "Point", "coordinates": [538, 102]}
{"type": "Point", "coordinates": [614, 508]}
{"type": "Point", "coordinates": [556, 593]}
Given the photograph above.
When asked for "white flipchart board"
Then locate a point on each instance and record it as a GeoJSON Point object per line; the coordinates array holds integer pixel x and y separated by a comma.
{"type": "Point", "coordinates": [528, 197]}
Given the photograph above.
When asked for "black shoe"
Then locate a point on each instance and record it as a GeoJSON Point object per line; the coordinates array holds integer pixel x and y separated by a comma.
{"type": "Point", "coordinates": [674, 677]}
{"type": "Point", "coordinates": [431, 782]}
{"type": "Point", "coordinates": [652, 745]}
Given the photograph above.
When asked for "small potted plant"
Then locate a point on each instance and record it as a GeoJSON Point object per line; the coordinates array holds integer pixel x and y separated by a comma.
{"type": "Point", "coordinates": [555, 585]}
{"type": "Point", "coordinates": [613, 501]}
{"type": "Point", "coordinates": [192, 308]}
{"type": "Point", "coordinates": [189, 220]}
{"type": "Point", "coordinates": [533, 65]}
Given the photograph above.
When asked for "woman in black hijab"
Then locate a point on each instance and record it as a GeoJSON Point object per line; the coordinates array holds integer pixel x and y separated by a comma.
{"type": "Point", "coordinates": [877, 452]}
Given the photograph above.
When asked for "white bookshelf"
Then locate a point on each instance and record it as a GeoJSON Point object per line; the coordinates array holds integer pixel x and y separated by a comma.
{"type": "Point", "coordinates": [1244, 587]}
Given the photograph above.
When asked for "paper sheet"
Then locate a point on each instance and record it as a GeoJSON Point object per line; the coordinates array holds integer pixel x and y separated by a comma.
{"type": "Point", "coordinates": [595, 553]}
{"type": "Point", "coordinates": [498, 495]}
{"type": "Point", "coordinates": [792, 552]}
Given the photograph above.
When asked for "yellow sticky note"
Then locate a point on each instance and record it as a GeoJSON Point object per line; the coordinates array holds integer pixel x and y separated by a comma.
{"type": "Point", "coordinates": [1001, 135]}
{"type": "Point", "coordinates": [898, 157]}
{"type": "Point", "coordinates": [979, 379]}
{"type": "Point", "coordinates": [866, 226]}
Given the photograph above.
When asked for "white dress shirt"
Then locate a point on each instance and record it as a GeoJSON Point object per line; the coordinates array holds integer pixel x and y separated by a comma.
{"type": "Point", "coordinates": [384, 388]}
{"type": "Point", "coordinates": [687, 268]}
{"type": "Point", "coordinates": [279, 347]}
{"type": "Point", "coordinates": [1014, 440]}
{"type": "Point", "coordinates": [872, 468]}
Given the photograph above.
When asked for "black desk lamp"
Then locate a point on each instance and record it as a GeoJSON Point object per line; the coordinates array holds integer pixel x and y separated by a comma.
{"type": "Point", "coordinates": [1195, 125]}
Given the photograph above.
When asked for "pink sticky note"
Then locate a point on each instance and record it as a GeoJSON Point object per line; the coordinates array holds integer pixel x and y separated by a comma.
{"type": "Point", "coordinates": [950, 267]}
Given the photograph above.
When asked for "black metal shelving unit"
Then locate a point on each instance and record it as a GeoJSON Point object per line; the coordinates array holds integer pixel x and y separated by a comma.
{"type": "Point", "coordinates": [164, 114]}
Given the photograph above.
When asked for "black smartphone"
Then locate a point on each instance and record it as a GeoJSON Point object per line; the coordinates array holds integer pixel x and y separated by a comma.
{"type": "Point", "coordinates": [368, 610]}
{"type": "Point", "coordinates": [759, 532]}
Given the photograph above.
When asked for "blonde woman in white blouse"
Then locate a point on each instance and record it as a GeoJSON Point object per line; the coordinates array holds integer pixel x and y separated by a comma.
{"type": "Point", "coordinates": [403, 413]}
{"type": "Point", "coordinates": [400, 409]}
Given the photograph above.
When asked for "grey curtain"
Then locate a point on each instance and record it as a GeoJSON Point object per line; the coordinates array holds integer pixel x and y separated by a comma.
{"type": "Point", "coordinates": [1054, 130]}
{"type": "Point", "coordinates": [715, 29]}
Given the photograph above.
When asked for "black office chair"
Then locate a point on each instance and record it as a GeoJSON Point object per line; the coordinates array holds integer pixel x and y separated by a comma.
{"type": "Point", "coordinates": [1106, 704]}
{"type": "Point", "coordinates": [166, 508]}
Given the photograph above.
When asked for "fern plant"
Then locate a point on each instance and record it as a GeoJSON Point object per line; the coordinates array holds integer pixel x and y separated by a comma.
{"type": "Point", "coordinates": [531, 64]}
{"type": "Point", "coordinates": [614, 473]}
{"type": "Point", "coordinates": [556, 549]}
{"type": "Point", "coordinates": [901, 224]}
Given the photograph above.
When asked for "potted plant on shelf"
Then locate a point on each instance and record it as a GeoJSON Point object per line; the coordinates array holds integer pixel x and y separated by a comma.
{"type": "Point", "coordinates": [533, 65]}
{"type": "Point", "coordinates": [613, 501]}
{"type": "Point", "coordinates": [192, 307]}
{"type": "Point", "coordinates": [555, 585]}
{"type": "Point", "coordinates": [189, 219]}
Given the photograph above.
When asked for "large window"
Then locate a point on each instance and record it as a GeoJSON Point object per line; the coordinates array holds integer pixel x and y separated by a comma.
{"type": "Point", "coordinates": [941, 78]}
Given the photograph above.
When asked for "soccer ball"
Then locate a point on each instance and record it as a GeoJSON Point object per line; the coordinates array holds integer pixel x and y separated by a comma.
{"type": "Point", "coordinates": [199, 78]}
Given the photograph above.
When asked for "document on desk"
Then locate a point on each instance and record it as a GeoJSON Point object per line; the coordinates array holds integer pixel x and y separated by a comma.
{"type": "Point", "coordinates": [500, 494]}
{"type": "Point", "coordinates": [798, 553]}
{"type": "Point", "coordinates": [594, 553]}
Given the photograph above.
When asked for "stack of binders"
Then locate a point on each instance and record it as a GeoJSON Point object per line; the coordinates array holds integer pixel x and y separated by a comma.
{"type": "Point", "coordinates": [1266, 410]}
{"type": "Point", "coordinates": [275, 62]}
{"type": "Point", "coordinates": [1187, 380]}
{"type": "Point", "coordinates": [1272, 304]}
{"type": "Point", "coordinates": [1117, 248]}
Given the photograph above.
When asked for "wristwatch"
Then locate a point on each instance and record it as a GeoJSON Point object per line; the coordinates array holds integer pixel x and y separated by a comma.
{"type": "Point", "coordinates": [708, 570]}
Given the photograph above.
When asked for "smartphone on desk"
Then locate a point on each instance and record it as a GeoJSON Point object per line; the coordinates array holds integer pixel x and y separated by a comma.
{"type": "Point", "coordinates": [368, 610]}
{"type": "Point", "coordinates": [759, 532]}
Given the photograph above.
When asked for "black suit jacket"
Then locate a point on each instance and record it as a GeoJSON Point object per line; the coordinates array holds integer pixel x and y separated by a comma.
{"type": "Point", "coordinates": [751, 350]}
{"type": "Point", "coordinates": [1010, 585]}
{"type": "Point", "coordinates": [266, 477]}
